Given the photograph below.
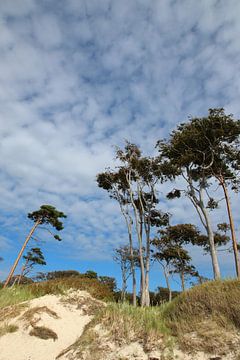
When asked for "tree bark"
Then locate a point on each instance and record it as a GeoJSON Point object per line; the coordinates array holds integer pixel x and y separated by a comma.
{"type": "Point", "coordinates": [22, 271]}
{"type": "Point", "coordinates": [138, 230]}
{"type": "Point", "coordinates": [20, 253]}
{"type": "Point", "coordinates": [215, 264]}
{"type": "Point", "coordinates": [182, 280]}
{"type": "Point", "coordinates": [166, 275]}
{"type": "Point", "coordinates": [231, 222]}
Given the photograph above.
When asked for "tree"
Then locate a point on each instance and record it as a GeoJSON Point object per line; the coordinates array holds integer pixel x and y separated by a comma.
{"type": "Point", "coordinates": [138, 178]}
{"type": "Point", "coordinates": [91, 274]}
{"type": "Point", "coordinates": [124, 257]}
{"type": "Point", "coordinates": [169, 250]}
{"type": "Point", "coordinates": [108, 281]}
{"type": "Point", "coordinates": [216, 155]}
{"type": "Point", "coordinates": [46, 215]}
{"type": "Point", "coordinates": [33, 257]}
{"type": "Point", "coordinates": [114, 183]}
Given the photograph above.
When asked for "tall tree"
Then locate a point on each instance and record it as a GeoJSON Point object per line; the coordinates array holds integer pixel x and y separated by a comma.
{"type": "Point", "coordinates": [218, 154]}
{"type": "Point", "coordinates": [139, 176]}
{"type": "Point", "coordinates": [142, 175]}
{"type": "Point", "coordinates": [33, 257]}
{"type": "Point", "coordinates": [46, 215]}
{"type": "Point", "coordinates": [184, 154]}
{"type": "Point", "coordinates": [114, 182]}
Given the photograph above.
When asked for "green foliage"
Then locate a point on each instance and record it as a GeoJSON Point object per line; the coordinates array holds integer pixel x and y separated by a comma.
{"type": "Point", "coordinates": [109, 282]}
{"type": "Point", "coordinates": [35, 257]}
{"type": "Point", "coordinates": [91, 274]}
{"type": "Point", "coordinates": [48, 214]}
{"type": "Point", "coordinates": [161, 296]}
{"type": "Point", "coordinates": [53, 275]}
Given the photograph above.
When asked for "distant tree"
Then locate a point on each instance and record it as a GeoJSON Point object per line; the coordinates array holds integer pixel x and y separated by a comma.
{"type": "Point", "coordinates": [91, 274]}
{"type": "Point", "coordinates": [46, 215]}
{"type": "Point", "coordinates": [33, 257]}
{"type": "Point", "coordinates": [54, 275]}
{"type": "Point", "coordinates": [170, 252]}
{"type": "Point", "coordinates": [124, 258]}
{"type": "Point", "coordinates": [110, 282]}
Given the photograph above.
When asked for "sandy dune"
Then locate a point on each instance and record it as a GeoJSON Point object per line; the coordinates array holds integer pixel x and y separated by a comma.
{"type": "Point", "coordinates": [68, 325]}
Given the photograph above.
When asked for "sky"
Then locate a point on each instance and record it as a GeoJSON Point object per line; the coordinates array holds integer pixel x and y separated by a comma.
{"type": "Point", "coordinates": [78, 78]}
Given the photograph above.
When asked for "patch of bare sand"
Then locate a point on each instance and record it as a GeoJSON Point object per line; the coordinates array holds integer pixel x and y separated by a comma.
{"type": "Point", "coordinates": [68, 323]}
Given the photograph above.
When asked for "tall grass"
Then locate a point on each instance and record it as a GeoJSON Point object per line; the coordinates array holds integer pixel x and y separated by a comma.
{"type": "Point", "coordinates": [126, 321]}
{"type": "Point", "coordinates": [17, 294]}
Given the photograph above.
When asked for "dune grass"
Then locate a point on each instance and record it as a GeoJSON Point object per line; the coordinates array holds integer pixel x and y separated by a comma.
{"type": "Point", "coordinates": [7, 328]}
{"type": "Point", "coordinates": [20, 293]}
{"type": "Point", "coordinates": [206, 317]}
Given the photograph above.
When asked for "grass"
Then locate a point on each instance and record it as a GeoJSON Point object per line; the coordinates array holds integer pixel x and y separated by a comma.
{"type": "Point", "coordinates": [30, 315]}
{"type": "Point", "coordinates": [7, 328]}
{"type": "Point", "coordinates": [129, 323]}
{"type": "Point", "coordinates": [121, 324]}
{"type": "Point", "coordinates": [21, 293]}
{"type": "Point", "coordinates": [206, 317]}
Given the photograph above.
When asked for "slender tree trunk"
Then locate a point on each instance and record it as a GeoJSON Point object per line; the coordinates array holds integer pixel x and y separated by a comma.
{"type": "Point", "coordinates": [215, 264]}
{"type": "Point", "coordinates": [139, 236]}
{"type": "Point", "coordinates": [147, 297]}
{"type": "Point", "coordinates": [231, 222]}
{"type": "Point", "coordinates": [124, 283]}
{"type": "Point", "coordinates": [182, 280]}
{"type": "Point", "coordinates": [166, 275]}
{"type": "Point", "coordinates": [132, 264]}
{"type": "Point", "coordinates": [20, 253]}
{"type": "Point", "coordinates": [22, 271]}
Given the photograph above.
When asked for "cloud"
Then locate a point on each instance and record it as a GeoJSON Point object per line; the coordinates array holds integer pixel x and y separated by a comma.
{"type": "Point", "coordinates": [80, 77]}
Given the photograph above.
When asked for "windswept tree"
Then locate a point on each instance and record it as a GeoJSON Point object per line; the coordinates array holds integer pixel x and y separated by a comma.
{"type": "Point", "coordinates": [33, 257]}
{"type": "Point", "coordinates": [169, 251]}
{"type": "Point", "coordinates": [202, 149]}
{"type": "Point", "coordinates": [139, 176]}
{"type": "Point", "coordinates": [169, 248]}
{"type": "Point", "coordinates": [142, 175]}
{"type": "Point", "coordinates": [46, 216]}
{"type": "Point", "coordinates": [114, 182]}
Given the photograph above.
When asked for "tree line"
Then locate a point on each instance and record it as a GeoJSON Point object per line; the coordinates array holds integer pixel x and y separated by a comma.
{"type": "Point", "coordinates": [203, 152]}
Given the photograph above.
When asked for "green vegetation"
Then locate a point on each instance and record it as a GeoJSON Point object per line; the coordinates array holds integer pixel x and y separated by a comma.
{"type": "Point", "coordinates": [17, 294]}
{"type": "Point", "coordinates": [206, 317]}
{"type": "Point", "coordinates": [200, 319]}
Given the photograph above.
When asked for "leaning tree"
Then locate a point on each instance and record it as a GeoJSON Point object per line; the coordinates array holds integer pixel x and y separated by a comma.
{"type": "Point", "coordinates": [47, 215]}
{"type": "Point", "coordinates": [33, 257]}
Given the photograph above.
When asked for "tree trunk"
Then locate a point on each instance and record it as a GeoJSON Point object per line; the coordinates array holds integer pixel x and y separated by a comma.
{"type": "Point", "coordinates": [231, 222]}
{"type": "Point", "coordinates": [132, 264]}
{"type": "Point", "coordinates": [182, 280]}
{"type": "Point", "coordinates": [20, 253]}
{"type": "Point", "coordinates": [22, 271]}
{"type": "Point", "coordinates": [215, 265]}
{"type": "Point", "coordinates": [124, 284]}
{"type": "Point", "coordinates": [166, 275]}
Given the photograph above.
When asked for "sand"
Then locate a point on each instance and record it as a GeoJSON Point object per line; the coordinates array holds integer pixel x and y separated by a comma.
{"type": "Point", "coordinates": [68, 327]}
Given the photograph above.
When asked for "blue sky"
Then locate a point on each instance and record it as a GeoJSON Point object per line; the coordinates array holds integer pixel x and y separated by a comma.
{"type": "Point", "coordinates": [78, 77]}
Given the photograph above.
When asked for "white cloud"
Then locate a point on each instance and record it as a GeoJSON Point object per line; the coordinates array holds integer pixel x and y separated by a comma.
{"type": "Point", "coordinates": [79, 77]}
